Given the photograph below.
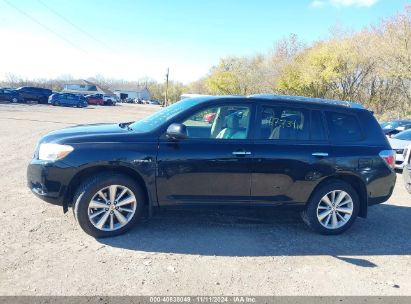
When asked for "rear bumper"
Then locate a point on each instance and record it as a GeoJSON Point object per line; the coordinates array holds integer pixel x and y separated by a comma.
{"type": "Point", "coordinates": [380, 189]}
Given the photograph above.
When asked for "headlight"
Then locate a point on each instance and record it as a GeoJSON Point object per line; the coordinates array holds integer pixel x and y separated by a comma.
{"type": "Point", "coordinates": [54, 151]}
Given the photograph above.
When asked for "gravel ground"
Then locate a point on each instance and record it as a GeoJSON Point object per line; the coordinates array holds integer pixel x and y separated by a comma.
{"type": "Point", "coordinates": [184, 252]}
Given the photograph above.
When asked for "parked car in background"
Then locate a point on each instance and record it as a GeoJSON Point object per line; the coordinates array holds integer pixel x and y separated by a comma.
{"type": "Point", "coordinates": [391, 128]}
{"type": "Point", "coordinates": [398, 143]}
{"type": "Point", "coordinates": [209, 117]}
{"type": "Point", "coordinates": [155, 102]}
{"type": "Point", "coordinates": [33, 94]}
{"type": "Point", "coordinates": [128, 100]}
{"type": "Point", "coordinates": [329, 159]}
{"type": "Point", "coordinates": [95, 100]}
{"type": "Point", "coordinates": [406, 172]}
{"type": "Point", "coordinates": [392, 132]}
{"type": "Point", "coordinates": [68, 99]}
{"type": "Point", "coordinates": [110, 100]}
{"type": "Point", "coordinates": [10, 95]}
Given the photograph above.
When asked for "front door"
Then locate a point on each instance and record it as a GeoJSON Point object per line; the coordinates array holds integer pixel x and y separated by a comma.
{"type": "Point", "coordinates": [291, 154]}
{"type": "Point", "coordinates": [213, 164]}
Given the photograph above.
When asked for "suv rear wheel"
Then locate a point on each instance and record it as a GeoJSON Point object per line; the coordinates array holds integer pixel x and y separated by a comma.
{"type": "Point", "coordinates": [332, 209]}
{"type": "Point", "coordinates": [108, 205]}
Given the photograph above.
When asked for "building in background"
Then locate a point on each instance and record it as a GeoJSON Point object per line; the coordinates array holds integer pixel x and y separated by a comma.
{"type": "Point", "coordinates": [143, 94]}
{"type": "Point", "coordinates": [85, 87]}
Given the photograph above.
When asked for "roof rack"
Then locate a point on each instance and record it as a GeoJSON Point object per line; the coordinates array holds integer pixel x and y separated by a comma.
{"type": "Point", "coordinates": [349, 104]}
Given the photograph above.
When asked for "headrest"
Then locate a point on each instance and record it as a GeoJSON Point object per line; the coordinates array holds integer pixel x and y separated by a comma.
{"type": "Point", "coordinates": [233, 121]}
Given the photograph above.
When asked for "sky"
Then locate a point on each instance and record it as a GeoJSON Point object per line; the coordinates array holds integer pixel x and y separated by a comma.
{"type": "Point", "coordinates": [135, 39]}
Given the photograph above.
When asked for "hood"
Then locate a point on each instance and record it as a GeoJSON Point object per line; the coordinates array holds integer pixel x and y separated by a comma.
{"type": "Point", "coordinates": [398, 143]}
{"type": "Point", "coordinates": [87, 133]}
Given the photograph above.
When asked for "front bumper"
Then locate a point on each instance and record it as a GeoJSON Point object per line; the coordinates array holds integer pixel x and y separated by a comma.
{"type": "Point", "coordinates": [406, 174]}
{"type": "Point", "coordinates": [49, 180]}
{"type": "Point", "coordinates": [399, 161]}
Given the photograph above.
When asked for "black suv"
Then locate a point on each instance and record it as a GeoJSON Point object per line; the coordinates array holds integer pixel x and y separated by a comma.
{"type": "Point", "coordinates": [33, 94]}
{"type": "Point", "coordinates": [329, 158]}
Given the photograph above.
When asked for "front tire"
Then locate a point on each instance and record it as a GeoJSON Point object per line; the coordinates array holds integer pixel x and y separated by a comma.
{"type": "Point", "coordinates": [108, 205]}
{"type": "Point", "coordinates": [332, 209]}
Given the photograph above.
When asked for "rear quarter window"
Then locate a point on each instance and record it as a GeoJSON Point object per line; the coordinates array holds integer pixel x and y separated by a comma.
{"type": "Point", "coordinates": [343, 127]}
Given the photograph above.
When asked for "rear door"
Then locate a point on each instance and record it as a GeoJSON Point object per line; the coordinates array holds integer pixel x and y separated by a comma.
{"type": "Point", "coordinates": [70, 100]}
{"type": "Point", "coordinates": [213, 165]}
{"type": "Point", "coordinates": [291, 154]}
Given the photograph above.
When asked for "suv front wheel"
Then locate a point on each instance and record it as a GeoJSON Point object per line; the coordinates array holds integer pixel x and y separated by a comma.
{"type": "Point", "coordinates": [108, 205]}
{"type": "Point", "coordinates": [332, 209]}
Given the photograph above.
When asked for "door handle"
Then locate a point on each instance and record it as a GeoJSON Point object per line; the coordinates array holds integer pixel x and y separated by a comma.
{"type": "Point", "coordinates": [320, 154]}
{"type": "Point", "coordinates": [241, 153]}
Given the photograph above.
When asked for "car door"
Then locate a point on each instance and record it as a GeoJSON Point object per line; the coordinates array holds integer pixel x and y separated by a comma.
{"type": "Point", "coordinates": [213, 164]}
{"type": "Point", "coordinates": [24, 94]}
{"type": "Point", "coordinates": [291, 154]}
{"type": "Point", "coordinates": [31, 94]}
{"type": "Point", "coordinates": [69, 100]}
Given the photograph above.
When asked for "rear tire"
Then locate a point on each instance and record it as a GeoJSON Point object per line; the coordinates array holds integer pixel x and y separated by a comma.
{"type": "Point", "coordinates": [325, 214]}
{"type": "Point", "coordinates": [104, 220]}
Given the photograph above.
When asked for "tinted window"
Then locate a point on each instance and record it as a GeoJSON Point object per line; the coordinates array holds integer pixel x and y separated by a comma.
{"type": "Point", "coordinates": [317, 126]}
{"type": "Point", "coordinates": [343, 127]}
{"type": "Point", "coordinates": [219, 122]}
{"type": "Point", "coordinates": [283, 123]}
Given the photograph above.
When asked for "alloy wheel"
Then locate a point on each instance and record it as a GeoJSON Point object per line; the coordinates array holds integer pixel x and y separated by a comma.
{"type": "Point", "coordinates": [112, 207]}
{"type": "Point", "coordinates": [335, 209]}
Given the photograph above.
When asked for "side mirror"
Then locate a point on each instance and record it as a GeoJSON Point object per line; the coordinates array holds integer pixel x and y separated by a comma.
{"type": "Point", "coordinates": [176, 131]}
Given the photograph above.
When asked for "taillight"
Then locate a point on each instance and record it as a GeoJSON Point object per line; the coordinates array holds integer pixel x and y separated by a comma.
{"type": "Point", "coordinates": [389, 157]}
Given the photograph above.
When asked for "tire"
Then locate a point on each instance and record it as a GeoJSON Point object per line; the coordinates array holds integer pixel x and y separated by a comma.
{"type": "Point", "coordinates": [89, 190]}
{"type": "Point", "coordinates": [318, 206]}
{"type": "Point", "coordinates": [79, 105]}
{"type": "Point", "coordinates": [14, 100]}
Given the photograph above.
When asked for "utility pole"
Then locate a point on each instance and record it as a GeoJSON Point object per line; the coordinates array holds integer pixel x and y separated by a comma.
{"type": "Point", "coordinates": [166, 97]}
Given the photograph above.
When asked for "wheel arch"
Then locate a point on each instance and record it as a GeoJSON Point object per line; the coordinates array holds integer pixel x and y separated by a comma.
{"type": "Point", "coordinates": [354, 181]}
{"type": "Point", "coordinates": [84, 174]}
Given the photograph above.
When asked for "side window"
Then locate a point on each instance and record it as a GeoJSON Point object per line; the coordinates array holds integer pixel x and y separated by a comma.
{"type": "Point", "coordinates": [317, 126]}
{"type": "Point", "coordinates": [219, 122]}
{"type": "Point", "coordinates": [343, 127]}
{"type": "Point", "coordinates": [284, 123]}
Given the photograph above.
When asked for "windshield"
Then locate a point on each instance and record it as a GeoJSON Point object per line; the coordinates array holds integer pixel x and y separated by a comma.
{"type": "Point", "coordinates": [405, 135]}
{"type": "Point", "coordinates": [157, 119]}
